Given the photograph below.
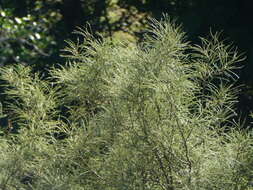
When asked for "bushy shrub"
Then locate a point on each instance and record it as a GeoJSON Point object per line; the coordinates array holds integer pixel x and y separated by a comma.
{"type": "Point", "coordinates": [152, 116]}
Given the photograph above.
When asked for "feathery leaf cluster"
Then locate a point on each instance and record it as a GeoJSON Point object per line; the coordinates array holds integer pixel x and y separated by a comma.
{"type": "Point", "coordinates": [152, 116]}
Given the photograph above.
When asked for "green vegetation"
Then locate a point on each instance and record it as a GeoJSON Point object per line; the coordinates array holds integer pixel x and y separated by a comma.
{"type": "Point", "coordinates": [24, 40]}
{"type": "Point", "coordinates": [152, 116]}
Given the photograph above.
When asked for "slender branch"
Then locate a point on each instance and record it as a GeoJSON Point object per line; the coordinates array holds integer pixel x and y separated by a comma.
{"type": "Point", "coordinates": [186, 148]}
{"type": "Point", "coordinates": [169, 185]}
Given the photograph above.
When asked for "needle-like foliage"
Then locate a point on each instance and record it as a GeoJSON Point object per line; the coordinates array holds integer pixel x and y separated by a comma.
{"type": "Point", "coordinates": [153, 116]}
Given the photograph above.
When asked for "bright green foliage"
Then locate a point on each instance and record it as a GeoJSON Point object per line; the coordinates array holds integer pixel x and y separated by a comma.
{"type": "Point", "coordinates": [156, 116]}
{"type": "Point", "coordinates": [23, 40]}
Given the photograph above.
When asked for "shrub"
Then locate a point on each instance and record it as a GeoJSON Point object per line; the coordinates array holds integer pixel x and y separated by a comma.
{"type": "Point", "coordinates": [151, 116]}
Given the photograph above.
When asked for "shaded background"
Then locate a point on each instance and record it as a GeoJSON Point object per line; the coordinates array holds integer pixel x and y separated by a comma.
{"type": "Point", "coordinates": [32, 32]}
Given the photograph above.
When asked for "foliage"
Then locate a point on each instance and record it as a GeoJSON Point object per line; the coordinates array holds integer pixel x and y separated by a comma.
{"type": "Point", "coordinates": [24, 40]}
{"type": "Point", "coordinates": [149, 116]}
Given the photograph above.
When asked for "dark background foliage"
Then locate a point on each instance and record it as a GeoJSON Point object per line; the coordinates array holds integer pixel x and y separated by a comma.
{"type": "Point", "coordinates": [56, 19]}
